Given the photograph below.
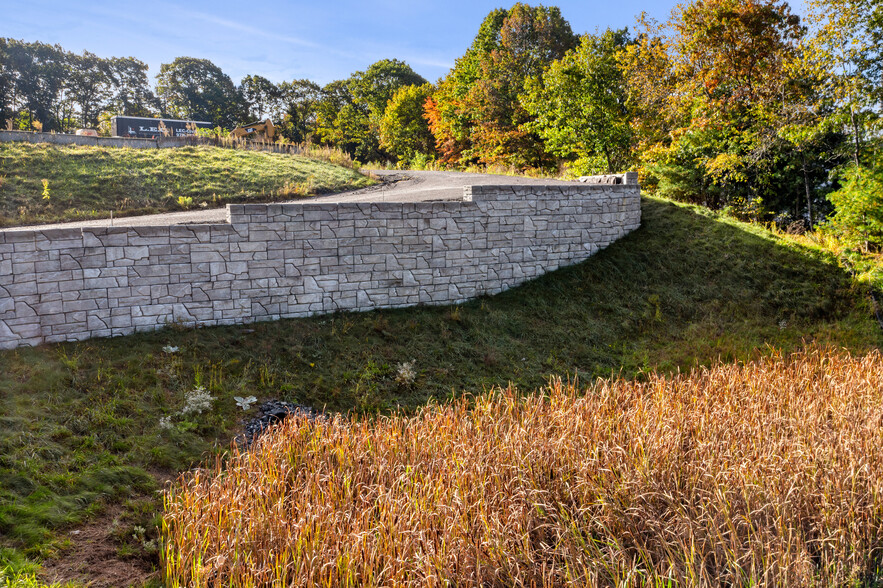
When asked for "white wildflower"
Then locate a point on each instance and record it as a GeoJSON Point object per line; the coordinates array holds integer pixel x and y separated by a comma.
{"type": "Point", "coordinates": [170, 349]}
{"type": "Point", "coordinates": [405, 374]}
{"type": "Point", "coordinates": [197, 400]}
{"type": "Point", "coordinates": [245, 403]}
{"type": "Point", "coordinates": [166, 423]}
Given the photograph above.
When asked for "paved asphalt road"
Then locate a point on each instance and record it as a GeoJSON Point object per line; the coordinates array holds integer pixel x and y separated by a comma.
{"type": "Point", "coordinates": [397, 186]}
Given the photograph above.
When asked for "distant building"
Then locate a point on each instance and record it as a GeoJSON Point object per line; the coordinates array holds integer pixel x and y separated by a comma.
{"type": "Point", "coordinates": [150, 128]}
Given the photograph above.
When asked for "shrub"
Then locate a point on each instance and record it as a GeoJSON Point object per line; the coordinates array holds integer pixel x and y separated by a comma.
{"type": "Point", "coordinates": [858, 207]}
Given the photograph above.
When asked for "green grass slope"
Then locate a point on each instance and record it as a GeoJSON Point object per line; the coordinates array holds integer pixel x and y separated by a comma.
{"type": "Point", "coordinates": [90, 182]}
{"type": "Point", "coordinates": [80, 423]}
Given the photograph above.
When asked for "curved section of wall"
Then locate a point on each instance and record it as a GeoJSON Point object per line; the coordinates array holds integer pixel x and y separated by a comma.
{"type": "Point", "coordinates": [290, 260]}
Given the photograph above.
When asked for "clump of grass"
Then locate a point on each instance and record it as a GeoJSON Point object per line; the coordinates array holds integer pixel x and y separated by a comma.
{"type": "Point", "coordinates": [767, 473]}
{"type": "Point", "coordinates": [331, 155]}
{"type": "Point", "coordinates": [866, 266]}
{"type": "Point", "coordinates": [309, 187]}
{"type": "Point", "coordinates": [17, 580]}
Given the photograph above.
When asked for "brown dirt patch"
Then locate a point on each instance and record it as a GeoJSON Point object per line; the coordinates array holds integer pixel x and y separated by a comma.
{"type": "Point", "coordinates": [92, 558]}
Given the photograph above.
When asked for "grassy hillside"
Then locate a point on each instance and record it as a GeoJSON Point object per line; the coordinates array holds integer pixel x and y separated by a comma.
{"type": "Point", "coordinates": [89, 182]}
{"type": "Point", "coordinates": [80, 427]}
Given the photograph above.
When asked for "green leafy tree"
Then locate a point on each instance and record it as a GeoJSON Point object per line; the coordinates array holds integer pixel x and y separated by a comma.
{"type": "Point", "coordinates": [373, 88]}
{"type": "Point", "coordinates": [809, 152]}
{"type": "Point", "coordinates": [338, 122]}
{"type": "Point", "coordinates": [859, 207]}
{"type": "Point", "coordinates": [844, 54]}
{"type": "Point", "coordinates": [89, 85]}
{"type": "Point", "coordinates": [38, 72]}
{"type": "Point", "coordinates": [404, 130]}
{"type": "Point", "coordinates": [298, 103]}
{"type": "Point", "coordinates": [7, 84]}
{"type": "Point", "coordinates": [197, 89]}
{"type": "Point", "coordinates": [579, 106]}
{"type": "Point", "coordinates": [841, 58]}
{"type": "Point", "coordinates": [476, 114]}
{"type": "Point", "coordinates": [349, 114]}
{"type": "Point", "coordinates": [874, 59]}
{"type": "Point", "coordinates": [45, 84]}
{"type": "Point", "coordinates": [261, 96]}
{"type": "Point", "coordinates": [131, 92]}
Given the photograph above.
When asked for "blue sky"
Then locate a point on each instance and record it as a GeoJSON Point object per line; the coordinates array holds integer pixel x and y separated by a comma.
{"type": "Point", "coordinates": [283, 40]}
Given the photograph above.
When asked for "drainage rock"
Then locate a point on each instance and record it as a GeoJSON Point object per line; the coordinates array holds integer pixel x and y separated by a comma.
{"type": "Point", "coordinates": [272, 412]}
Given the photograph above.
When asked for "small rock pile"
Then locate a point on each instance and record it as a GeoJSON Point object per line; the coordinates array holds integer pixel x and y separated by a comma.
{"type": "Point", "coordinates": [272, 412]}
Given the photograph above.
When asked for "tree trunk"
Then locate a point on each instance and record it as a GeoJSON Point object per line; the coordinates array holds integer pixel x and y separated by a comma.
{"type": "Point", "coordinates": [856, 142]}
{"type": "Point", "coordinates": [806, 187]}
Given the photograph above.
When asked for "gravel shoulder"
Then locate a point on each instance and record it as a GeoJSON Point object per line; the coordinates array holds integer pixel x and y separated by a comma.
{"type": "Point", "coordinates": [395, 186]}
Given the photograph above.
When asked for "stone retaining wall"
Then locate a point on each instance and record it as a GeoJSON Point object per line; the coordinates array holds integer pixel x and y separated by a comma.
{"type": "Point", "coordinates": [289, 260]}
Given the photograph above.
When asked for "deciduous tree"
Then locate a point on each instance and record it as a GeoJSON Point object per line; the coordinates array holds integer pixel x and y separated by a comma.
{"type": "Point", "coordinates": [404, 130]}
{"type": "Point", "coordinates": [197, 89]}
{"type": "Point", "coordinates": [298, 103]}
{"type": "Point", "coordinates": [348, 116]}
{"type": "Point", "coordinates": [131, 93]}
{"type": "Point", "coordinates": [373, 88]}
{"type": "Point", "coordinates": [88, 85]}
{"type": "Point", "coordinates": [38, 72]}
{"type": "Point", "coordinates": [261, 96]}
{"type": "Point", "coordinates": [7, 84]}
{"type": "Point", "coordinates": [722, 82]}
{"type": "Point", "coordinates": [844, 54]}
{"type": "Point", "coordinates": [579, 106]}
{"type": "Point", "coordinates": [859, 207]}
{"type": "Point", "coordinates": [476, 115]}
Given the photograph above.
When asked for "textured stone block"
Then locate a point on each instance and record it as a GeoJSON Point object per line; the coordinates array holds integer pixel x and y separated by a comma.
{"type": "Point", "coordinates": [105, 237]}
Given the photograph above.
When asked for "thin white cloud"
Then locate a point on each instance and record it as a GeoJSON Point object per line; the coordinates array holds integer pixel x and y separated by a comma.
{"type": "Point", "coordinates": [248, 29]}
{"type": "Point", "coordinates": [429, 62]}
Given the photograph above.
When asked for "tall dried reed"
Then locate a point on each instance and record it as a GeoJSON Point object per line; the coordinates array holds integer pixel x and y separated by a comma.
{"type": "Point", "coordinates": [763, 474]}
{"type": "Point", "coordinates": [309, 150]}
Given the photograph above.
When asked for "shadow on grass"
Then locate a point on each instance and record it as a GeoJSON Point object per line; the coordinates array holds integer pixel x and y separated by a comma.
{"type": "Point", "coordinates": [80, 422]}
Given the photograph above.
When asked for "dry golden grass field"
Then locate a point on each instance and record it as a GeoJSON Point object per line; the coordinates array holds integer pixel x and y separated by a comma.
{"type": "Point", "coordinates": [768, 473]}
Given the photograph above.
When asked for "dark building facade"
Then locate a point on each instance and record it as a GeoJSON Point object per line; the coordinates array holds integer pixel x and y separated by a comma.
{"type": "Point", "coordinates": [150, 128]}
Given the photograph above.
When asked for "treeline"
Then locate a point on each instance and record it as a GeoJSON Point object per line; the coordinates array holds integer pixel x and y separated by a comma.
{"type": "Point", "coordinates": [45, 87]}
{"type": "Point", "coordinates": [729, 103]}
